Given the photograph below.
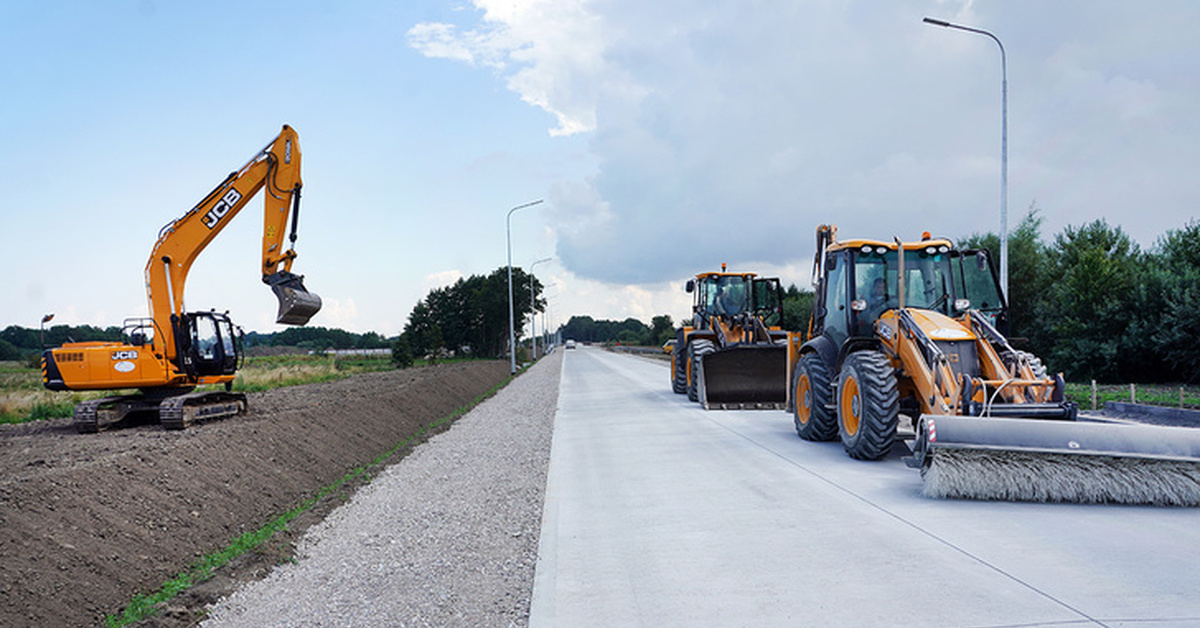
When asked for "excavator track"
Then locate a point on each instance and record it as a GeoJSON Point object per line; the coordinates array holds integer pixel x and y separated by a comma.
{"type": "Point", "coordinates": [181, 411]}
{"type": "Point", "coordinates": [86, 418]}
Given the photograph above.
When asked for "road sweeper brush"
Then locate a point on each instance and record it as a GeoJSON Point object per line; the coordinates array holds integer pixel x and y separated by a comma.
{"type": "Point", "coordinates": [1053, 461]}
{"type": "Point", "coordinates": [916, 329]}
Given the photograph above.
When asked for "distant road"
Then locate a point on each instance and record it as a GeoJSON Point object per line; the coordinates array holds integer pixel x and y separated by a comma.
{"type": "Point", "coordinates": [659, 513]}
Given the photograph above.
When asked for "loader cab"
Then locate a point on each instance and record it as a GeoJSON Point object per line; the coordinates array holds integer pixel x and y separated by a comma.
{"type": "Point", "coordinates": [862, 280]}
{"type": "Point", "coordinates": [213, 348]}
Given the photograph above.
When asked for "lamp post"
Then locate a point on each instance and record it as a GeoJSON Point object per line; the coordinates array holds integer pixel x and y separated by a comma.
{"type": "Point", "coordinates": [1003, 145]}
{"type": "Point", "coordinates": [533, 308]}
{"type": "Point", "coordinates": [45, 319]}
{"type": "Point", "coordinates": [512, 335]}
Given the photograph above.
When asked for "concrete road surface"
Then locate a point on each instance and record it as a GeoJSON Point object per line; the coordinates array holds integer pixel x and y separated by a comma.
{"type": "Point", "coordinates": [659, 513]}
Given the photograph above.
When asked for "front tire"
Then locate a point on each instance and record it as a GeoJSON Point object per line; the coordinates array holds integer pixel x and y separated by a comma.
{"type": "Point", "coordinates": [811, 396]}
{"type": "Point", "coordinates": [868, 405]}
{"type": "Point", "coordinates": [696, 352]}
{"type": "Point", "coordinates": [679, 365]}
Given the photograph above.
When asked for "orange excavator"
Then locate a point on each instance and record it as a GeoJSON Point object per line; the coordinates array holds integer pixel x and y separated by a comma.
{"type": "Point", "coordinates": [171, 353]}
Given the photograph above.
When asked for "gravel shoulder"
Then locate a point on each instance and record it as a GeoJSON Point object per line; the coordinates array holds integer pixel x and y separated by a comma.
{"type": "Point", "coordinates": [446, 537]}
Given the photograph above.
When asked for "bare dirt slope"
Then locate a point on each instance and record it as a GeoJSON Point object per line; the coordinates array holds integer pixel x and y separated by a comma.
{"type": "Point", "coordinates": [87, 521]}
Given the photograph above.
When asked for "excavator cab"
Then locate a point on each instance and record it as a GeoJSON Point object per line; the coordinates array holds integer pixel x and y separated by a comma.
{"type": "Point", "coordinates": [214, 348]}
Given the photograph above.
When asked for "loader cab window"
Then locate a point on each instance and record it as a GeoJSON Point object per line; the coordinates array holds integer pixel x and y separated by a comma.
{"type": "Point", "coordinates": [726, 295]}
{"type": "Point", "coordinates": [837, 310]}
{"type": "Point", "coordinates": [975, 281]}
{"type": "Point", "coordinates": [927, 282]}
{"type": "Point", "coordinates": [768, 302]}
{"type": "Point", "coordinates": [874, 288]}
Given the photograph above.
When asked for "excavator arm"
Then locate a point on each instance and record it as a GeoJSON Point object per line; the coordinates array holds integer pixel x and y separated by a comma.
{"type": "Point", "coordinates": [276, 171]}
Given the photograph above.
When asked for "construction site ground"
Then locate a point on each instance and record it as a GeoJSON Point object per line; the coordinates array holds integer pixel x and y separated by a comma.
{"type": "Point", "coordinates": [88, 521]}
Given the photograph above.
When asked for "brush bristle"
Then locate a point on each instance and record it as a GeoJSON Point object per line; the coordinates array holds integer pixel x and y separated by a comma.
{"type": "Point", "coordinates": [1048, 477]}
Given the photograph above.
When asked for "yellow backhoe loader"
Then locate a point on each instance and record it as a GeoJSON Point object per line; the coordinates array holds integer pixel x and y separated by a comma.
{"type": "Point", "coordinates": [733, 355]}
{"type": "Point", "coordinates": [169, 354]}
{"type": "Point", "coordinates": [917, 329]}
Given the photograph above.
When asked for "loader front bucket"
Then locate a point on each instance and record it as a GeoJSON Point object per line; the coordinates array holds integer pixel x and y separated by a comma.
{"type": "Point", "coordinates": [296, 305]}
{"type": "Point", "coordinates": [745, 377]}
{"type": "Point", "coordinates": [1057, 461]}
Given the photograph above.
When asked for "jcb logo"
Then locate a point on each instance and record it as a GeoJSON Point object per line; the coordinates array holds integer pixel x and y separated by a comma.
{"type": "Point", "coordinates": [222, 207]}
{"type": "Point", "coordinates": [124, 355]}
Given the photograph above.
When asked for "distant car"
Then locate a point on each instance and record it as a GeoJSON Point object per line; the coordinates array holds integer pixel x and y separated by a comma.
{"type": "Point", "coordinates": [570, 344]}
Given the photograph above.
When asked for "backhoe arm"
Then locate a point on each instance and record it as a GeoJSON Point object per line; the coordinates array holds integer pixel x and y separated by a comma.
{"type": "Point", "coordinates": [275, 168]}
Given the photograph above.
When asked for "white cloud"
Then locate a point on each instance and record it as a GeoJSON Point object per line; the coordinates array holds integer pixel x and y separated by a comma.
{"type": "Point", "coordinates": [725, 132]}
{"type": "Point", "coordinates": [440, 279]}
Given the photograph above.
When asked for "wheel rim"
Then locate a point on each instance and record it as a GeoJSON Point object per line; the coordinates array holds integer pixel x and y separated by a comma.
{"type": "Point", "coordinates": [803, 399]}
{"type": "Point", "coordinates": [850, 405]}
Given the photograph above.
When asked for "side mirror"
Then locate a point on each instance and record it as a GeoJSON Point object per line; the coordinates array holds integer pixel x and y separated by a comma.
{"type": "Point", "coordinates": [690, 286]}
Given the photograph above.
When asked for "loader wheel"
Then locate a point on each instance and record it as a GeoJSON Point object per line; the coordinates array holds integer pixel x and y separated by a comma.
{"type": "Point", "coordinates": [679, 367]}
{"type": "Point", "coordinates": [811, 395]}
{"type": "Point", "coordinates": [868, 405]}
{"type": "Point", "coordinates": [696, 352]}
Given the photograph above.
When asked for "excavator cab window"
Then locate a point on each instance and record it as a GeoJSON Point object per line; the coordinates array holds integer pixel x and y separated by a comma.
{"type": "Point", "coordinates": [213, 346]}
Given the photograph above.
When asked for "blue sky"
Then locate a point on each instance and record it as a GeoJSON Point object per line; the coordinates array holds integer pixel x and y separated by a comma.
{"type": "Point", "coordinates": [665, 137]}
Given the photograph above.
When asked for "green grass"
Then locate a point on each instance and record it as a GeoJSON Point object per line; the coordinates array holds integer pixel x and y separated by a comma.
{"type": "Point", "coordinates": [145, 605]}
{"type": "Point", "coordinates": [22, 397]}
{"type": "Point", "coordinates": [1149, 394]}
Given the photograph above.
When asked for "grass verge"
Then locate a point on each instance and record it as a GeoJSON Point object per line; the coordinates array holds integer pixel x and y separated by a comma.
{"type": "Point", "coordinates": [23, 399]}
{"type": "Point", "coordinates": [1167, 395]}
{"type": "Point", "coordinates": [145, 605]}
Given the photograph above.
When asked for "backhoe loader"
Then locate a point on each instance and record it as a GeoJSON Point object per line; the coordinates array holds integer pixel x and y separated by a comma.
{"type": "Point", "coordinates": [918, 329]}
{"type": "Point", "coordinates": [733, 354]}
{"type": "Point", "coordinates": [169, 354]}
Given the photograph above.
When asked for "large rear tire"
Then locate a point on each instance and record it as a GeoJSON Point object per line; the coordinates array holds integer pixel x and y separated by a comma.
{"type": "Point", "coordinates": [696, 352]}
{"type": "Point", "coordinates": [868, 405]}
{"type": "Point", "coordinates": [811, 395]}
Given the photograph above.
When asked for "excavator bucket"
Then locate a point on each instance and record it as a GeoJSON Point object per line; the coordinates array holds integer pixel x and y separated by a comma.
{"type": "Point", "coordinates": [745, 377]}
{"type": "Point", "coordinates": [1057, 461]}
{"type": "Point", "coordinates": [296, 305]}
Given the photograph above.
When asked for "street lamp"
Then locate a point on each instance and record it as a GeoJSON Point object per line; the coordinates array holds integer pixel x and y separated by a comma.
{"type": "Point", "coordinates": [1003, 146]}
{"type": "Point", "coordinates": [533, 308]}
{"type": "Point", "coordinates": [45, 319]}
{"type": "Point", "coordinates": [512, 335]}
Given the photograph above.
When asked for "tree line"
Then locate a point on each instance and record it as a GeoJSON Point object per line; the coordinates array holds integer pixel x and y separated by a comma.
{"type": "Point", "coordinates": [20, 343]}
{"type": "Point", "coordinates": [469, 317]}
{"type": "Point", "coordinates": [1092, 304]}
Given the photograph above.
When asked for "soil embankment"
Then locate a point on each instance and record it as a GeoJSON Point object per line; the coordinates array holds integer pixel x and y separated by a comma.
{"type": "Point", "coordinates": [87, 521]}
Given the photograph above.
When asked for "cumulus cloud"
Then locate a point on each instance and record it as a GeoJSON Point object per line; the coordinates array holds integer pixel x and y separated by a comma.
{"type": "Point", "coordinates": [725, 132]}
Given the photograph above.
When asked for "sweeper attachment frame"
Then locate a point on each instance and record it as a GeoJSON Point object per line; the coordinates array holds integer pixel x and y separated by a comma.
{"type": "Point", "coordinates": [916, 329]}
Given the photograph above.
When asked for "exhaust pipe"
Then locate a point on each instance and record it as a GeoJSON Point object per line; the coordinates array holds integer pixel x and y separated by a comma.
{"type": "Point", "coordinates": [296, 305]}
